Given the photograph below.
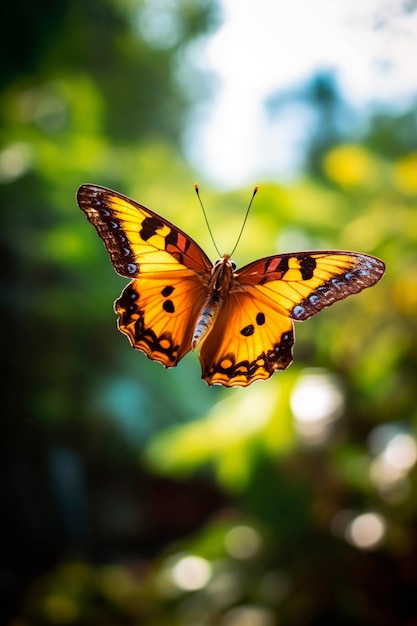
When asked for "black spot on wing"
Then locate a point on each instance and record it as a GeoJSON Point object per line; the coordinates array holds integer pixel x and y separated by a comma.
{"type": "Point", "coordinates": [307, 267]}
{"type": "Point", "coordinates": [172, 238]}
{"type": "Point", "coordinates": [248, 330]}
{"type": "Point", "coordinates": [167, 291]}
{"type": "Point", "coordinates": [150, 226]}
{"type": "Point", "coordinates": [260, 318]}
{"type": "Point", "coordinates": [168, 306]}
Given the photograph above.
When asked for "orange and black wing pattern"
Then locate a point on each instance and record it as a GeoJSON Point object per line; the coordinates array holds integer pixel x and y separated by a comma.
{"type": "Point", "coordinates": [170, 273]}
{"type": "Point", "coordinates": [254, 334]}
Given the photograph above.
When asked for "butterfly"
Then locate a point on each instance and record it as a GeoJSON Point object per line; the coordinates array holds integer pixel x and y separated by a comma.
{"type": "Point", "coordinates": [242, 319]}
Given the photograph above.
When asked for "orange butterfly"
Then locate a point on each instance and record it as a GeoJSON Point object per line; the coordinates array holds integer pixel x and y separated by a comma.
{"type": "Point", "coordinates": [177, 300]}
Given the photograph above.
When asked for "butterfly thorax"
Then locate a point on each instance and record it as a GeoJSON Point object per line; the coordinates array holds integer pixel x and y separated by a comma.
{"type": "Point", "coordinates": [220, 284]}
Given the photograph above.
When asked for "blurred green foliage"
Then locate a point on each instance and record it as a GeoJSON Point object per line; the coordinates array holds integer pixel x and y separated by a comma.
{"type": "Point", "coordinates": [136, 495]}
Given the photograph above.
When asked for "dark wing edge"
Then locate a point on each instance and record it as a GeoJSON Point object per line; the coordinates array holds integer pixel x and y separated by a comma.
{"type": "Point", "coordinates": [344, 273]}
{"type": "Point", "coordinates": [93, 200]}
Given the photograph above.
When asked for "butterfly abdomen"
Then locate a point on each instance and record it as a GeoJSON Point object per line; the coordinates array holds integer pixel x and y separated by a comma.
{"type": "Point", "coordinates": [206, 318]}
{"type": "Point", "coordinates": [219, 286]}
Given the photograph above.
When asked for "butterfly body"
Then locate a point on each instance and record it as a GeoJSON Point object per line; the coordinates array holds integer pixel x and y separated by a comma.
{"type": "Point", "coordinates": [218, 288]}
{"type": "Point", "coordinates": [177, 300]}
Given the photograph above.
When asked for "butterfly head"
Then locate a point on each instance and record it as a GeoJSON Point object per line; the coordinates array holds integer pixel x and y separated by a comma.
{"type": "Point", "coordinates": [222, 274]}
{"type": "Point", "coordinates": [225, 260]}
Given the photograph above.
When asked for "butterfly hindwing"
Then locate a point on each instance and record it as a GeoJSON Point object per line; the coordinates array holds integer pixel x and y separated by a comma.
{"type": "Point", "coordinates": [261, 341]}
{"type": "Point", "coordinates": [159, 314]}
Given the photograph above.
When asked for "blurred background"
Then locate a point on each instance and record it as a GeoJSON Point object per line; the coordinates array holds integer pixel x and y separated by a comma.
{"type": "Point", "coordinates": [133, 495]}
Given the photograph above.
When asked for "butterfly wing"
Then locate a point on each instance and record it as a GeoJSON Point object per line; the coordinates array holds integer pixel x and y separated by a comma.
{"type": "Point", "coordinates": [249, 341]}
{"type": "Point", "coordinates": [158, 314]}
{"type": "Point", "coordinates": [253, 335]}
{"type": "Point", "coordinates": [138, 240]}
{"type": "Point", "coordinates": [159, 308]}
{"type": "Point", "coordinates": [302, 284]}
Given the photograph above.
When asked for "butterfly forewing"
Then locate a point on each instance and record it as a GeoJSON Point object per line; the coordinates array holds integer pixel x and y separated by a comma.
{"type": "Point", "coordinates": [302, 284]}
{"type": "Point", "coordinates": [134, 235]}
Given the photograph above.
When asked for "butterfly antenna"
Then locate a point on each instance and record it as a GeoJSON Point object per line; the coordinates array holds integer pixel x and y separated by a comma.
{"type": "Point", "coordinates": [205, 217]}
{"type": "Point", "coordinates": [244, 221]}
